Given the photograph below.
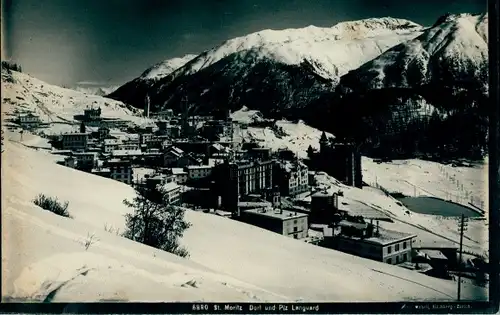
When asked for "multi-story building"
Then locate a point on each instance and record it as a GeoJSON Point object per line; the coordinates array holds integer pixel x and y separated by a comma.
{"type": "Point", "coordinates": [284, 222]}
{"type": "Point", "coordinates": [291, 177]}
{"type": "Point", "coordinates": [121, 170]}
{"type": "Point", "coordinates": [85, 160]}
{"type": "Point", "coordinates": [181, 176]}
{"type": "Point", "coordinates": [109, 145]}
{"type": "Point", "coordinates": [241, 178]}
{"type": "Point", "coordinates": [103, 132]}
{"type": "Point", "coordinates": [340, 160]}
{"type": "Point", "coordinates": [75, 141]}
{"type": "Point", "coordinates": [383, 245]}
{"type": "Point", "coordinates": [162, 115]}
{"type": "Point", "coordinates": [171, 155]}
{"type": "Point", "coordinates": [29, 120]}
{"type": "Point", "coordinates": [323, 207]}
{"type": "Point", "coordinates": [92, 114]}
{"type": "Point", "coordinates": [198, 171]}
{"type": "Point", "coordinates": [173, 192]}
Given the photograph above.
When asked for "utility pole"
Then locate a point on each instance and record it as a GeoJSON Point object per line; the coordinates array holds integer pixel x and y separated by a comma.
{"type": "Point", "coordinates": [462, 228]}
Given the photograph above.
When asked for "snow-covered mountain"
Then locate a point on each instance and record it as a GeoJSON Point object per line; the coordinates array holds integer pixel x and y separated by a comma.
{"type": "Point", "coordinates": [95, 88]}
{"type": "Point", "coordinates": [273, 69]}
{"type": "Point", "coordinates": [432, 89]}
{"type": "Point", "coordinates": [453, 51]}
{"type": "Point", "coordinates": [166, 67]}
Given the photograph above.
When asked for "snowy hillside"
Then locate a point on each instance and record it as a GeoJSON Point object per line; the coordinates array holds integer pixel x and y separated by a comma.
{"type": "Point", "coordinates": [55, 104]}
{"type": "Point", "coordinates": [269, 57]}
{"type": "Point", "coordinates": [454, 49]}
{"type": "Point", "coordinates": [95, 88]}
{"type": "Point", "coordinates": [294, 136]}
{"type": "Point", "coordinates": [164, 68]}
{"type": "Point", "coordinates": [229, 260]}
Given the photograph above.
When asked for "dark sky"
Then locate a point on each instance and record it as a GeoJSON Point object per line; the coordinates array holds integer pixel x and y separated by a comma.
{"type": "Point", "coordinates": [113, 41]}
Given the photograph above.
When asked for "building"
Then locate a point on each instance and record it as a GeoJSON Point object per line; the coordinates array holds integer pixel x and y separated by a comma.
{"type": "Point", "coordinates": [323, 206]}
{"type": "Point", "coordinates": [284, 222]}
{"type": "Point", "coordinates": [198, 171]}
{"type": "Point", "coordinates": [120, 170]}
{"type": "Point", "coordinates": [162, 115]}
{"type": "Point", "coordinates": [109, 145]}
{"type": "Point", "coordinates": [69, 161]}
{"type": "Point", "coordinates": [103, 132]}
{"type": "Point", "coordinates": [85, 160]}
{"type": "Point", "coordinates": [383, 245]}
{"type": "Point", "coordinates": [127, 154]}
{"type": "Point", "coordinates": [172, 155]}
{"type": "Point", "coordinates": [29, 120]}
{"type": "Point", "coordinates": [75, 141]}
{"type": "Point", "coordinates": [173, 192]}
{"type": "Point", "coordinates": [144, 138]}
{"type": "Point", "coordinates": [103, 172]}
{"type": "Point", "coordinates": [259, 153]}
{"type": "Point", "coordinates": [181, 176]}
{"type": "Point", "coordinates": [341, 160]}
{"type": "Point", "coordinates": [235, 179]}
{"type": "Point", "coordinates": [214, 129]}
{"type": "Point", "coordinates": [92, 114]}
{"type": "Point", "coordinates": [291, 177]}
{"type": "Point", "coordinates": [128, 146]}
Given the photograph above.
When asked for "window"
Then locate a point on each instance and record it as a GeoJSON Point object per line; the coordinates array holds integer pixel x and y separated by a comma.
{"type": "Point", "coordinates": [389, 249]}
{"type": "Point", "coordinates": [404, 245]}
{"type": "Point", "coordinates": [294, 221]}
{"type": "Point", "coordinates": [405, 257]}
{"type": "Point", "coordinates": [295, 229]}
{"type": "Point", "coordinates": [397, 248]}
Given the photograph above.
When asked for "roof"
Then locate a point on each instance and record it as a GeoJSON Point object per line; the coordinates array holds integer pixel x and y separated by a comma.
{"type": "Point", "coordinates": [171, 186]}
{"type": "Point", "coordinates": [253, 204]}
{"type": "Point", "coordinates": [126, 152]}
{"type": "Point", "coordinates": [193, 167]}
{"type": "Point", "coordinates": [276, 213]}
{"type": "Point", "coordinates": [433, 254]}
{"type": "Point", "coordinates": [175, 150]}
{"type": "Point", "coordinates": [112, 141]}
{"type": "Point", "coordinates": [322, 193]}
{"type": "Point", "coordinates": [75, 134]}
{"type": "Point", "coordinates": [388, 236]}
{"type": "Point", "coordinates": [85, 153]}
{"type": "Point", "coordinates": [102, 170]}
{"type": "Point", "coordinates": [178, 171]}
{"type": "Point", "coordinates": [359, 226]}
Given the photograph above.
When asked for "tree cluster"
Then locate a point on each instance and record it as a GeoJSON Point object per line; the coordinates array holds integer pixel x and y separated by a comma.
{"type": "Point", "coordinates": [154, 221]}
{"type": "Point", "coordinates": [12, 66]}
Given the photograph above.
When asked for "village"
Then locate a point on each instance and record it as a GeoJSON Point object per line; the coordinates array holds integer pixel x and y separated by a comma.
{"type": "Point", "coordinates": [201, 166]}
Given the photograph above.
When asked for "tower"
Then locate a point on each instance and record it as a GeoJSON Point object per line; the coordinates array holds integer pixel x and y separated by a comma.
{"type": "Point", "coordinates": [147, 107]}
{"type": "Point", "coordinates": [323, 143]}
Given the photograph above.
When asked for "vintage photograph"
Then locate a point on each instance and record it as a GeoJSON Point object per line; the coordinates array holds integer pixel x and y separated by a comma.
{"type": "Point", "coordinates": [250, 151]}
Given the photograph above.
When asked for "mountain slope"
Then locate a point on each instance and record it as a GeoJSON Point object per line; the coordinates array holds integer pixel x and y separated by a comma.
{"type": "Point", "coordinates": [274, 61]}
{"type": "Point", "coordinates": [41, 251]}
{"type": "Point", "coordinates": [453, 51]}
{"type": "Point", "coordinates": [396, 95]}
{"type": "Point", "coordinates": [57, 105]}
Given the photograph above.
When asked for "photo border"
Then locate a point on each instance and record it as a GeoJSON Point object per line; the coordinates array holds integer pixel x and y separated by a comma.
{"type": "Point", "coordinates": [491, 306]}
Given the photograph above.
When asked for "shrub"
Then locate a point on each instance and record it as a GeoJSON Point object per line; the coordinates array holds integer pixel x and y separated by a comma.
{"type": "Point", "coordinates": [52, 204]}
